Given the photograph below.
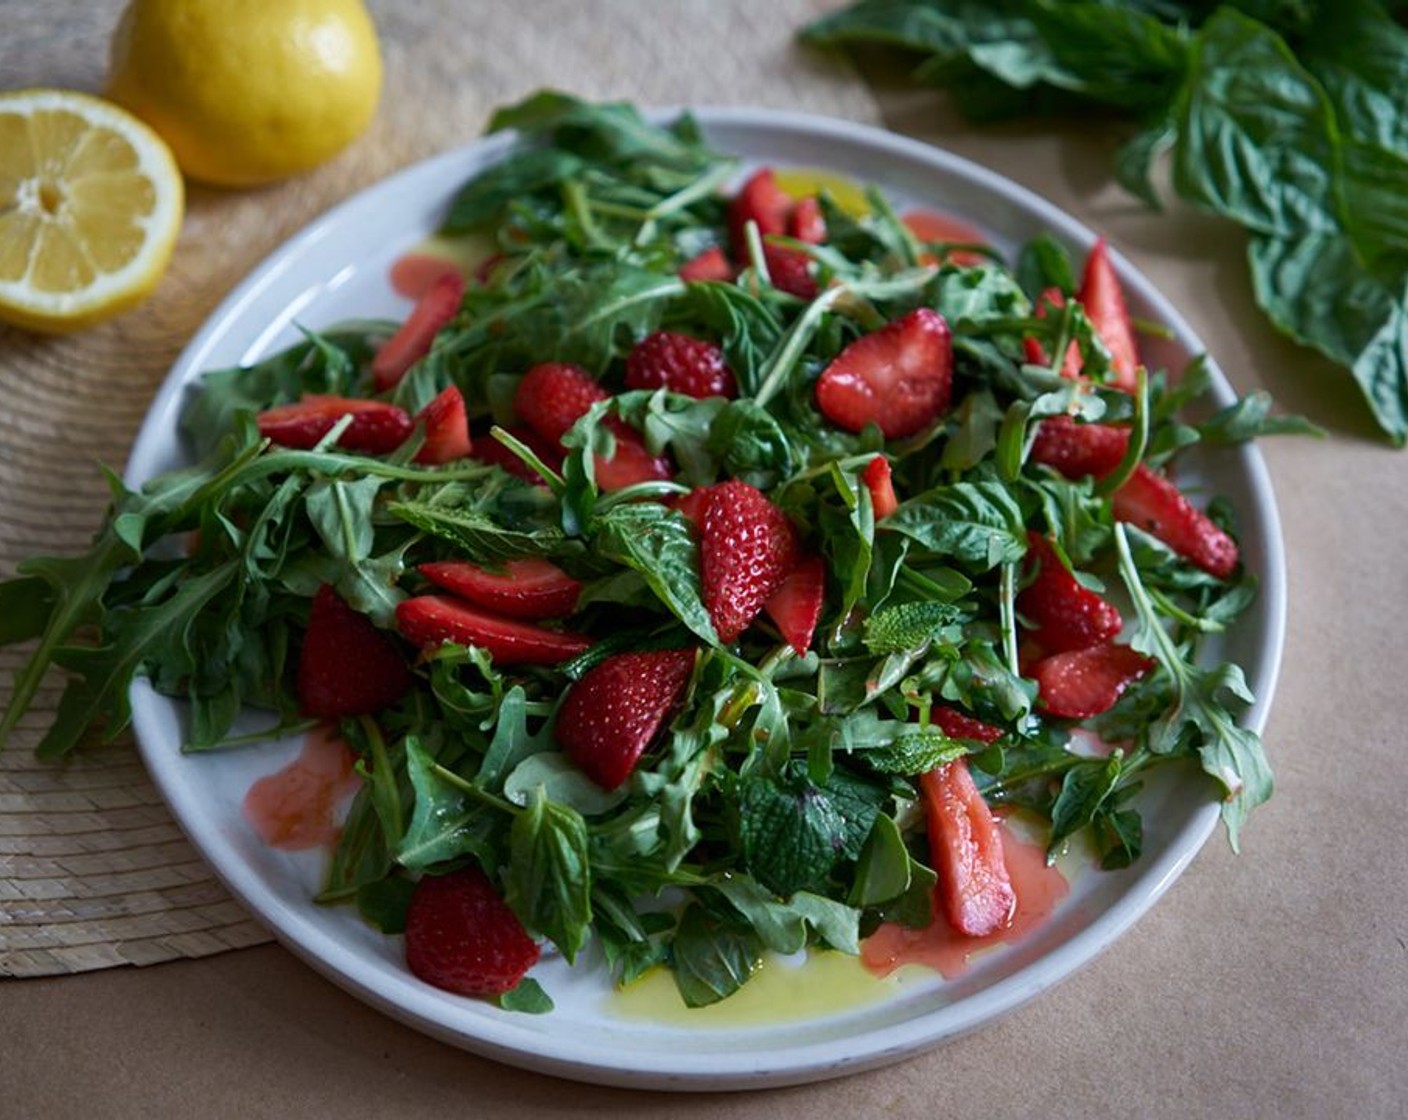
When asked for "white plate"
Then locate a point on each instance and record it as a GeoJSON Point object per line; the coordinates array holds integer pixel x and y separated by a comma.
{"type": "Point", "coordinates": [337, 268]}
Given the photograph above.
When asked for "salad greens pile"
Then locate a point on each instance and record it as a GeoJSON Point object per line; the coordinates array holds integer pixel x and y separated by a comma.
{"type": "Point", "coordinates": [1285, 116]}
{"type": "Point", "coordinates": [779, 809]}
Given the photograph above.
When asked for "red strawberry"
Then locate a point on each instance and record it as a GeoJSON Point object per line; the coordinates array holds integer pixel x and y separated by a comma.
{"type": "Point", "coordinates": [462, 937]}
{"type": "Point", "coordinates": [446, 429]}
{"type": "Point", "coordinates": [711, 264]}
{"type": "Point", "coordinates": [433, 312]}
{"type": "Point", "coordinates": [790, 271]}
{"type": "Point", "coordinates": [1156, 505]}
{"type": "Point", "coordinates": [1067, 615]}
{"type": "Point", "coordinates": [747, 547]}
{"type": "Point", "coordinates": [347, 666]}
{"type": "Point", "coordinates": [959, 725]}
{"type": "Point", "coordinates": [974, 890]}
{"type": "Point", "coordinates": [759, 200]}
{"type": "Point", "coordinates": [931, 225]}
{"type": "Point", "coordinates": [491, 450]}
{"type": "Point", "coordinates": [526, 588]}
{"type": "Point", "coordinates": [376, 429]}
{"type": "Point", "coordinates": [692, 505]}
{"type": "Point", "coordinates": [1103, 299]}
{"type": "Point", "coordinates": [876, 477]}
{"type": "Point", "coordinates": [631, 462]}
{"type": "Point", "coordinates": [553, 396]}
{"type": "Point", "coordinates": [796, 605]}
{"type": "Point", "coordinates": [806, 222]}
{"type": "Point", "coordinates": [616, 710]}
{"type": "Point", "coordinates": [668, 360]}
{"type": "Point", "coordinates": [1036, 353]}
{"type": "Point", "coordinates": [1081, 683]}
{"type": "Point", "coordinates": [898, 377]}
{"type": "Point", "coordinates": [1076, 450]}
{"type": "Point", "coordinates": [430, 620]}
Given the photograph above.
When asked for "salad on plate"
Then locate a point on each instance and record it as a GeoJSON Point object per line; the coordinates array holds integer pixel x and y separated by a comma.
{"type": "Point", "coordinates": [720, 568]}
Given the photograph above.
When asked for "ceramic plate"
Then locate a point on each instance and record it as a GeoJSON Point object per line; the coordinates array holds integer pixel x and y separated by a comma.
{"type": "Point", "coordinates": [338, 268]}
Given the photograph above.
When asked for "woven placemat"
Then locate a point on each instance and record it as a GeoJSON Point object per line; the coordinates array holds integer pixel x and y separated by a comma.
{"type": "Point", "coordinates": [93, 870]}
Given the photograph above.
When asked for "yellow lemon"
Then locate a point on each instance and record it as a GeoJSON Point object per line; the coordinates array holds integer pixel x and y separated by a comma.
{"type": "Point", "coordinates": [90, 205]}
{"type": "Point", "coordinates": [248, 91]}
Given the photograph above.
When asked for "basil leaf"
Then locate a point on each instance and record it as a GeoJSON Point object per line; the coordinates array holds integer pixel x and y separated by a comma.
{"type": "Point", "coordinates": [549, 878]}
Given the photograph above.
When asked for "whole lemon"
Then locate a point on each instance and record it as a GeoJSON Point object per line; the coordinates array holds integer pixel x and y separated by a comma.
{"type": "Point", "coordinates": [248, 91]}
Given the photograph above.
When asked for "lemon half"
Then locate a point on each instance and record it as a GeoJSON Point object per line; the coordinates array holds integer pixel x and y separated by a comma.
{"type": "Point", "coordinates": [90, 206]}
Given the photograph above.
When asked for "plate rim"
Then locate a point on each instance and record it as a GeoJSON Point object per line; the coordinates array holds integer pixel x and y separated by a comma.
{"type": "Point", "coordinates": [710, 1070]}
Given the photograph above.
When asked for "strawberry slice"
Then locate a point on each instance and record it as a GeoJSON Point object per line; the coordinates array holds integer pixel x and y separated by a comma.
{"type": "Point", "coordinates": [431, 314]}
{"type": "Point", "coordinates": [692, 505]}
{"type": "Point", "coordinates": [960, 725]}
{"type": "Point", "coordinates": [790, 271]}
{"type": "Point", "coordinates": [936, 226]}
{"type": "Point", "coordinates": [631, 462]}
{"type": "Point", "coordinates": [898, 378]}
{"type": "Point", "coordinates": [490, 450]}
{"type": "Point", "coordinates": [1103, 299]}
{"type": "Point", "coordinates": [759, 200]}
{"type": "Point", "coordinates": [462, 937]}
{"type": "Point", "coordinates": [1076, 450]}
{"type": "Point", "coordinates": [974, 890]}
{"type": "Point", "coordinates": [1157, 506]}
{"type": "Point", "coordinates": [681, 364]}
{"type": "Point", "coordinates": [527, 588]}
{"type": "Point", "coordinates": [446, 429]}
{"type": "Point", "coordinates": [1036, 353]}
{"type": "Point", "coordinates": [377, 428]}
{"type": "Point", "coordinates": [806, 222]}
{"type": "Point", "coordinates": [1081, 683]}
{"type": "Point", "coordinates": [347, 666]}
{"type": "Point", "coordinates": [711, 264]}
{"type": "Point", "coordinates": [877, 479]}
{"type": "Point", "coordinates": [616, 710]}
{"type": "Point", "coordinates": [795, 607]}
{"type": "Point", "coordinates": [1066, 615]}
{"type": "Point", "coordinates": [430, 620]}
{"type": "Point", "coordinates": [747, 547]}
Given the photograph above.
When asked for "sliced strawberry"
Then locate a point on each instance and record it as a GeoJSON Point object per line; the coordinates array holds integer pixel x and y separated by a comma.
{"type": "Point", "coordinates": [612, 715]}
{"type": "Point", "coordinates": [431, 314]}
{"type": "Point", "coordinates": [669, 360]}
{"type": "Point", "coordinates": [1036, 353]}
{"type": "Point", "coordinates": [552, 396]}
{"type": "Point", "coordinates": [759, 200]}
{"type": "Point", "coordinates": [791, 271]}
{"type": "Point", "coordinates": [446, 429]}
{"type": "Point", "coordinates": [631, 462]}
{"type": "Point", "coordinates": [711, 264]}
{"type": "Point", "coordinates": [1076, 450]}
{"type": "Point", "coordinates": [960, 725]}
{"type": "Point", "coordinates": [1081, 683]}
{"type": "Point", "coordinates": [1103, 299]}
{"type": "Point", "coordinates": [1157, 506]}
{"type": "Point", "coordinates": [377, 428]}
{"type": "Point", "coordinates": [692, 505]}
{"type": "Point", "coordinates": [934, 226]}
{"type": "Point", "coordinates": [974, 890]}
{"type": "Point", "coordinates": [527, 588]}
{"type": "Point", "coordinates": [462, 937]}
{"type": "Point", "coordinates": [898, 377]}
{"type": "Point", "coordinates": [806, 222]}
{"type": "Point", "coordinates": [347, 667]}
{"type": "Point", "coordinates": [430, 620]}
{"type": "Point", "coordinates": [1066, 615]}
{"type": "Point", "coordinates": [877, 479]}
{"type": "Point", "coordinates": [747, 547]}
{"type": "Point", "coordinates": [490, 450]}
{"type": "Point", "coordinates": [795, 607]}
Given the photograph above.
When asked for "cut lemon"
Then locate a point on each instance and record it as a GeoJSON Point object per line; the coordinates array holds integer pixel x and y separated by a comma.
{"type": "Point", "coordinates": [90, 205]}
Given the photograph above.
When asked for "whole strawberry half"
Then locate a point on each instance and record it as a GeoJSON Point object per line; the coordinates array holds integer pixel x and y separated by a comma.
{"type": "Point", "coordinates": [1081, 683]}
{"type": "Point", "coordinates": [432, 313]}
{"type": "Point", "coordinates": [807, 222]}
{"type": "Point", "coordinates": [747, 547]}
{"type": "Point", "coordinates": [462, 937]}
{"type": "Point", "coordinates": [762, 201]}
{"type": "Point", "coordinates": [615, 711]}
{"type": "Point", "coordinates": [431, 620]}
{"type": "Point", "coordinates": [711, 264]}
{"type": "Point", "coordinates": [899, 377]}
{"type": "Point", "coordinates": [347, 667]}
{"type": "Point", "coordinates": [1066, 615]}
{"type": "Point", "coordinates": [446, 429]}
{"type": "Point", "coordinates": [376, 428]}
{"type": "Point", "coordinates": [681, 364]}
{"type": "Point", "coordinates": [1103, 299]}
{"type": "Point", "coordinates": [1157, 506]}
{"type": "Point", "coordinates": [790, 271]}
{"type": "Point", "coordinates": [527, 588]}
{"type": "Point", "coordinates": [974, 889]}
{"type": "Point", "coordinates": [879, 481]}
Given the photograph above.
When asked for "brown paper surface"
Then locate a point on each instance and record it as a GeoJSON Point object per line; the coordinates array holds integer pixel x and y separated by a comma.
{"type": "Point", "coordinates": [1274, 984]}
